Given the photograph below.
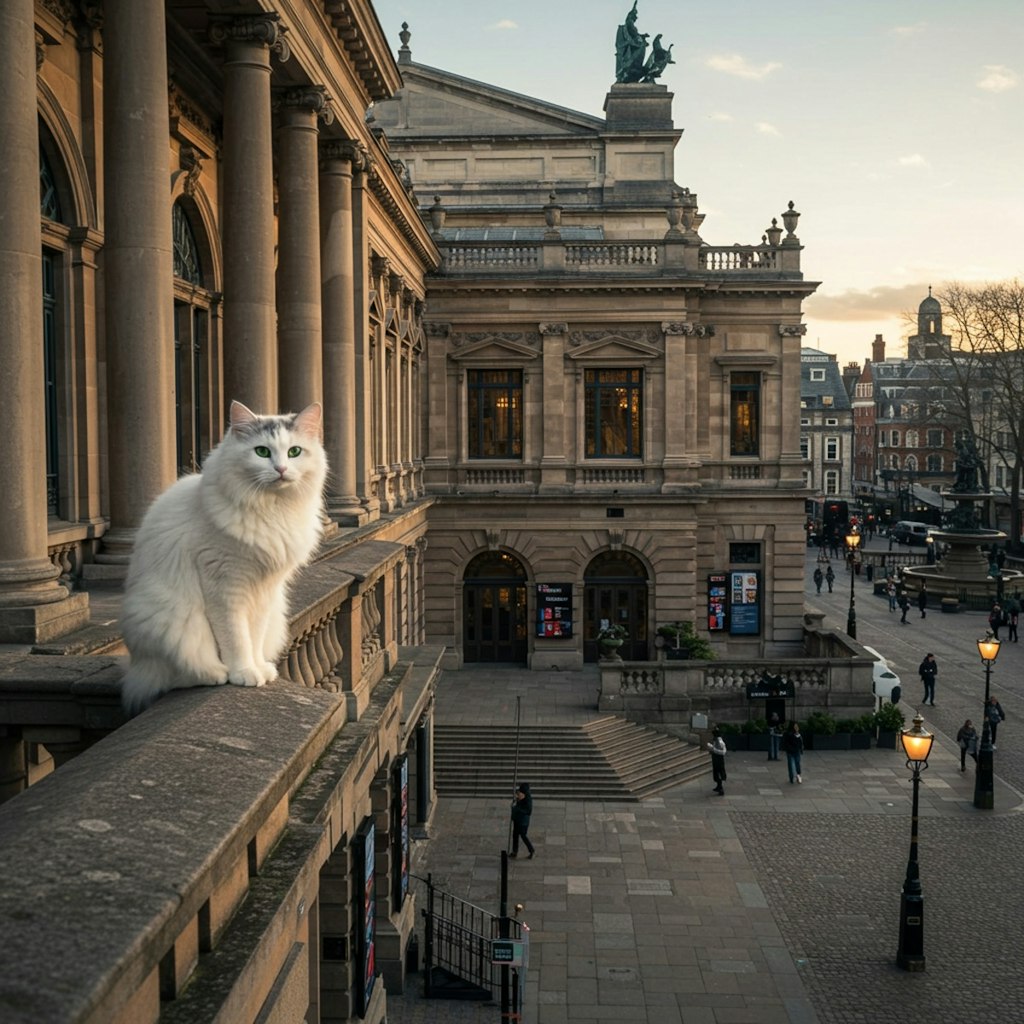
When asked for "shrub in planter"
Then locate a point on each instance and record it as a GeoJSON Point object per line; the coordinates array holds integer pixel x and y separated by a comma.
{"type": "Point", "coordinates": [757, 733]}
{"type": "Point", "coordinates": [889, 721]}
{"type": "Point", "coordinates": [734, 738]}
{"type": "Point", "coordinates": [861, 731]}
{"type": "Point", "coordinates": [823, 730]}
{"type": "Point", "coordinates": [683, 641]}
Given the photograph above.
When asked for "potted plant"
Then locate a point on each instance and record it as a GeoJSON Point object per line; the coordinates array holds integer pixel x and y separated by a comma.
{"type": "Point", "coordinates": [860, 731]}
{"type": "Point", "coordinates": [889, 721]}
{"type": "Point", "coordinates": [683, 641]}
{"type": "Point", "coordinates": [825, 732]}
{"type": "Point", "coordinates": [756, 730]}
{"type": "Point", "coordinates": [735, 738]}
{"type": "Point", "coordinates": [610, 639]}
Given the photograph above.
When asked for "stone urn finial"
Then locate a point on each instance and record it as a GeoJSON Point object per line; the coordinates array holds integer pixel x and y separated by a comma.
{"type": "Point", "coordinates": [790, 218]}
{"type": "Point", "coordinates": [437, 214]}
{"type": "Point", "coordinates": [774, 233]}
{"type": "Point", "coordinates": [552, 212]}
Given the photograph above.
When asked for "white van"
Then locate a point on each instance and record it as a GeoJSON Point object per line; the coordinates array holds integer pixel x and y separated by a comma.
{"type": "Point", "coordinates": [906, 532]}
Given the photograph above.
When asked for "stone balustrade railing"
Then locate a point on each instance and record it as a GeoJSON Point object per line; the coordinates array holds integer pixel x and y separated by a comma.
{"type": "Point", "coordinates": [678, 251]}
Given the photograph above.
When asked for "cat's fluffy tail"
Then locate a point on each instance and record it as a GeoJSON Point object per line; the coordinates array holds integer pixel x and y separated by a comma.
{"type": "Point", "coordinates": [142, 686]}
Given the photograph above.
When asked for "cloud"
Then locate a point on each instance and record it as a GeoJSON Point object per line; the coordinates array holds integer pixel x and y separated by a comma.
{"type": "Point", "coordinates": [734, 64]}
{"type": "Point", "coordinates": [764, 128]}
{"type": "Point", "coordinates": [505, 23]}
{"type": "Point", "coordinates": [909, 30]}
{"type": "Point", "coordinates": [914, 160]}
{"type": "Point", "coordinates": [719, 116]}
{"type": "Point", "coordinates": [883, 302]}
{"type": "Point", "coordinates": [997, 78]}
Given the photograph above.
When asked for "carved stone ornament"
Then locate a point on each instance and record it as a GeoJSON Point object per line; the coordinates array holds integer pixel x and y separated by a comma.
{"type": "Point", "coordinates": [553, 328]}
{"type": "Point", "coordinates": [674, 326]}
{"type": "Point", "coordinates": [262, 28]}
{"type": "Point", "coordinates": [792, 330]}
{"type": "Point", "coordinates": [493, 540]}
{"type": "Point", "coordinates": [190, 161]}
{"type": "Point", "coordinates": [311, 98]}
{"type": "Point", "coordinates": [436, 329]}
{"type": "Point", "coordinates": [527, 339]}
{"type": "Point", "coordinates": [344, 149]}
{"type": "Point", "coordinates": [644, 337]}
{"type": "Point", "coordinates": [379, 266]}
{"type": "Point", "coordinates": [698, 330]}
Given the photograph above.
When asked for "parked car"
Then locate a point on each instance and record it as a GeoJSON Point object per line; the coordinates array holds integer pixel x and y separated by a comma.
{"type": "Point", "coordinates": [887, 685]}
{"type": "Point", "coordinates": [907, 532]}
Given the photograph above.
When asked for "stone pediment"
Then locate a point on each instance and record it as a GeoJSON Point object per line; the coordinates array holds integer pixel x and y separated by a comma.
{"type": "Point", "coordinates": [435, 102]}
{"type": "Point", "coordinates": [639, 344]}
{"type": "Point", "coordinates": [495, 346]}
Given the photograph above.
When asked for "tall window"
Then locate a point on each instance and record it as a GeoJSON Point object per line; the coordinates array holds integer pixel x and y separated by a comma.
{"type": "Point", "coordinates": [805, 446]}
{"type": "Point", "coordinates": [935, 439]}
{"type": "Point", "coordinates": [832, 481]}
{"type": "Point", "coordinates": [895, 439]}
{"type": "Point", "coordinates": [744, 413]}
{"type": "Point", "coordinates": [934, 463]}
{"type": "Point", "coordinates": [831, 448]}
{"type": "Point", "coordinates": [614, 408]}
{"type": "Point", "coordinates": [495, 414]}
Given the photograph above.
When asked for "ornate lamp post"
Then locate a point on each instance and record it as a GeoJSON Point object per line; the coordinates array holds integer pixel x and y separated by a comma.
{"type": "Point", "coordinates": [917, 744]}
{"type": "Point", "coordinates": [984, 788]}
{"type": "Point", "coordinates": [852, 540]}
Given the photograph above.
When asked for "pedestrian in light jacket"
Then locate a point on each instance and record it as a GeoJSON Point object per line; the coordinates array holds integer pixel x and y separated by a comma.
{"type": "Point", "coordinates": [718, 750]}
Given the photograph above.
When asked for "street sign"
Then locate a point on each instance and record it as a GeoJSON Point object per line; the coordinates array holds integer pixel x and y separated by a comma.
{"type": "Point", "coordinates": [507, 951]}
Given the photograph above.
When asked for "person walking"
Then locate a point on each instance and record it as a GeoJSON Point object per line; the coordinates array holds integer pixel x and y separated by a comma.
{"type": "Point", "coordinates": [522, 809]}
{"type": "Point", "coordinates": [995, 619]}
{"type": "Point", "coordinates": [793, 745]}
{"type": "Point", "coordinates": [774, 736]}
{"type": "Point", "coordinates": [904, 603]}
{"type": "Point", "coordinates": [1012, 614]}
{"type": "Point", "coordinates": [967, 738]}
{"type": "Point", "coordinates": [922, 599]}
{"type": "Point", "coordinates": [890, 592]}
{"type": "Point", "coordinates": [819, 578]}
{"type": "Point", "coordinates": [928, 670]}
{"type": "Point", "coordinates": [830, 578]}
{"type": "Point", "coordinates": [718, 751]}
{"type": "Point", "coordinates": [994, 713]}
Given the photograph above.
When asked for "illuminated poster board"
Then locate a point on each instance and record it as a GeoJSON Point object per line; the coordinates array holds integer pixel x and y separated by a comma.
{"type": "Point", "coordinates": [366, 909]}
{"type": "Point", "coordinates": [744, 602]}
{"type": "Point", "coordinates": [718, 602]}
{"type": "Point", "coordinates": [554, 610]}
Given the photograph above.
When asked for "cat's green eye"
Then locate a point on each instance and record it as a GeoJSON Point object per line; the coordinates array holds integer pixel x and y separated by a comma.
{"type": "Point", "coordinates": [262, 451]}
{"type": "Point", "coordinates": [294, 453]}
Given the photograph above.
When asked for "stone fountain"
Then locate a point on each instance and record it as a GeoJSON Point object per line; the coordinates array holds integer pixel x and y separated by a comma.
{"type": "Point", "coordinates": [965, 568]}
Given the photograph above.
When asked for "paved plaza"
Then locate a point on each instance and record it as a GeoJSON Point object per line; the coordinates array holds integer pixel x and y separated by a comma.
{"type": "Point", "coordinates": [777, 904]}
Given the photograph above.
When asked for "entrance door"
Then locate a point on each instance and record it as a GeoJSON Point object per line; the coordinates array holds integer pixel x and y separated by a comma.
{"type": "Point", "coordinates": [615, 592]}
{"type": "Point", "coordinates": [494, 610]}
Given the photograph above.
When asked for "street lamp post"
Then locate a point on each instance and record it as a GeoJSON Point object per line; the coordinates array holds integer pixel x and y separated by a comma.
{"type": "Point", "coordinates": [852, 540]}
{"type": "Point", "coordinates": [917, 744]}
{"type": "Point", "coordinates": [984, 786]}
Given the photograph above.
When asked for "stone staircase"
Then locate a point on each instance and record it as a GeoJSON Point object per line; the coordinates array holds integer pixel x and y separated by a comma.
{"type": "Point", "coordinates": [607, 759]}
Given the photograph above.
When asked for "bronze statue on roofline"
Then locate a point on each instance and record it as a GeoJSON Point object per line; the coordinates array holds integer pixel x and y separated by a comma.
{"type": "Point", "coordinates": [631, 62]}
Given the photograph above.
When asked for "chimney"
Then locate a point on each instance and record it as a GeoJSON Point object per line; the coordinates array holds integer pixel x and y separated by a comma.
{"type": "Point", "coordinates": [878, 350]}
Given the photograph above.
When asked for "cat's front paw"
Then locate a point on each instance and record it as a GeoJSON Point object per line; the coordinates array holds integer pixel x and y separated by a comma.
{"type": "Point", "coordinates": [249, 676]}
{"type": "Point", "coordinates": [270, 671]}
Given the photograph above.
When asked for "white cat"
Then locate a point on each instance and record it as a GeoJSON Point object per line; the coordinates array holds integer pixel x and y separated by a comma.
{"type": "Point", "coordinates": [206, 597]}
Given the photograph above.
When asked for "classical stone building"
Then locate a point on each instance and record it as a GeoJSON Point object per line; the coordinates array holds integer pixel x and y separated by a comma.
{"type": "Point", "coordinates": [826, 425]}
{"type": "Point", "coordinates": [595, 424]}
{"type": "Point", "coordinates": [610, 400]}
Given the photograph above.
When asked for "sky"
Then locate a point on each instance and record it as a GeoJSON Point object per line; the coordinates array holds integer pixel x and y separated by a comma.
{"type": "Point", "coordinates": [895, 126]}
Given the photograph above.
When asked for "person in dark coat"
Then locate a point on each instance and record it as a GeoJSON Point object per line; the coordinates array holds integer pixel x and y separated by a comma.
{"type": "Point", "coordinates": [995, 620]}
{"type": "Point", "coordinates": [819, 578]}
{"type": "Point", "coordinates": [922, 599]}
{"type": "Point", "coordinates": [904, 603]}
{"type": "Point", "coordinates": [928, 670]}
{"type": "Point", "coordinates": [967, 739]}
{"type": "Point", "coordinates": [994, 714]}
{"type": "Point", "coordinates": [830, 578]}
{"type": "Point", "coordinates": [793, 745]}
{"type": "Point", "coordinates": [522, 808]}
{"type": "Point", "coordinates": [718, 749]}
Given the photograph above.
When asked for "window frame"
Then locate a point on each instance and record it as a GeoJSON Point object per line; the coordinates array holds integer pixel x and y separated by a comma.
{"type": "Point", "coordinates": [602, 385]}
{"type": "Point", "coordinates": [479, 410]}
{"type": "Point", "coordinates": [748, 383]}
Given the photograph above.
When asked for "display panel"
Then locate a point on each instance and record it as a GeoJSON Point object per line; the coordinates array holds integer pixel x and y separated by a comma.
{"type": "Point", "coordinates": [718, 602]}
{"type": "Point", "coordinates": [554, 610]}
{"type": "Point", "coordinates": [744, 602]}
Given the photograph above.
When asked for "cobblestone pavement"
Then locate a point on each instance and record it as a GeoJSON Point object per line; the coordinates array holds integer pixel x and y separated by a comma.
{"type": "Point", "coordinates": [778, 904]}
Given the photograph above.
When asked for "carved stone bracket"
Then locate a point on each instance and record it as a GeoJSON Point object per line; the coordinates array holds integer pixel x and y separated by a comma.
{"type": "Point", "coordinates": [379, 266]}
{"type": "Point", "coordinates": [553, 328]}
{"type": "Point", "coordinates": [263, 28]}
{"type": "Point", "coordinates": [190, 161]}
{"type": "Point", "coordinates": [792, 330]}
{"type": "Point", "coordinates": [615, 539]}
{"type": "Point", "coordinates": [674, 326]}
{"type": "Point", "coordinates": [436, 329]}
{"type": "Point", "coordinates": [493, 540]}
{"type": "Point", "coordinates": [698, 330]}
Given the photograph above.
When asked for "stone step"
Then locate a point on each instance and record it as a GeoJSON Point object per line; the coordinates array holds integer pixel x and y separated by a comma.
{"type": "Point", "coordinates": [608, 759]}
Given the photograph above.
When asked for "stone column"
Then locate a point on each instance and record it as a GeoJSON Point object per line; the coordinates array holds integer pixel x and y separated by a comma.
{"type": "Point", "coordinates": [339, 334]}
{"type": "Point", "coordinates": [393, 399]}
{"type": "Point", "coordinates": [366, 341]}
{"type": "Point", "coordinates": [137, 269]}
{"type": "Point", "coordinates": [250, 359]}
{"type": "Point", "coordinates": [550, 414]}
{"type": "Point", "coordinates": [299, 329]}
{"type": "Point", "coordinates": [32, 604]}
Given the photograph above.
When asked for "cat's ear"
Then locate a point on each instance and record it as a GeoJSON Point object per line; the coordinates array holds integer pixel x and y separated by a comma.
{"type": "Point", "coordinates": [309, 420]}
{"type": "Point", "coordinates": [240, 416]}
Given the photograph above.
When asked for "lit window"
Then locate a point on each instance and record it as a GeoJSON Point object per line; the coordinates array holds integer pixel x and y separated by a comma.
{"type": "Point", "coordinates": [614, 407]}
{"type": "Point", "coordinates": [744, 413]}
{"type": "Point", "coordinates": [495, 414]}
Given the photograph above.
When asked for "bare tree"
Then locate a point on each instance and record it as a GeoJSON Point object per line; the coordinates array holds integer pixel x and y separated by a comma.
{"type": "Point", "coordinates": [986, 392]}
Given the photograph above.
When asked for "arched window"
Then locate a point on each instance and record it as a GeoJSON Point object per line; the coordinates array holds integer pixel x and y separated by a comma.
{"type": "Point", "coordinates": [194, 406]}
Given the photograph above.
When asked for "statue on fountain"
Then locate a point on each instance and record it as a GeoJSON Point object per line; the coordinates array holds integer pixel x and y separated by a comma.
{"type": "Point", "coordinates": [968, 462]}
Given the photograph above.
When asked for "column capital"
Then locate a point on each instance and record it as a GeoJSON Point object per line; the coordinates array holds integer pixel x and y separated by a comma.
{"type": "Point", "coordinates": [307, 99]}
{"type": "Point", "coordinates": [346, 150]}
{"type": "Point", "coordinates": [263, 28]}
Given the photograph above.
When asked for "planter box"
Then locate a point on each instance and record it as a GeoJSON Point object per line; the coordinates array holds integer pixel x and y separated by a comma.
{"type": "Point", "coordinates": [676, 654]}
{"type": "Point", "coordinates": [736, 741]}
{"type": "Point", "coordinates": [860, 741]}
{"type": "Point", "coordinates": [759, 741]}
{"type": "Point", "coordinates": [840, 741]}
{"type": "Point", "coordinates": [886, 740]}
{"type": "Point", "coordinates": [950, 604]}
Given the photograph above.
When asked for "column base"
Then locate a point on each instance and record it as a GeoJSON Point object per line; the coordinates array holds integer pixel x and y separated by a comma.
{"type": "Point", "coordinates": [347, 510]}
{"type": "Point", "coordinates": [33, 624]}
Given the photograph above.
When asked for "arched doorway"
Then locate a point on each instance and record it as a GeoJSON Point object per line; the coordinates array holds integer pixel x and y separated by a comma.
{"type": "Point", "coordinates": [494, 609]}
{"type": "Point", "coordinates": [615, 591]}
